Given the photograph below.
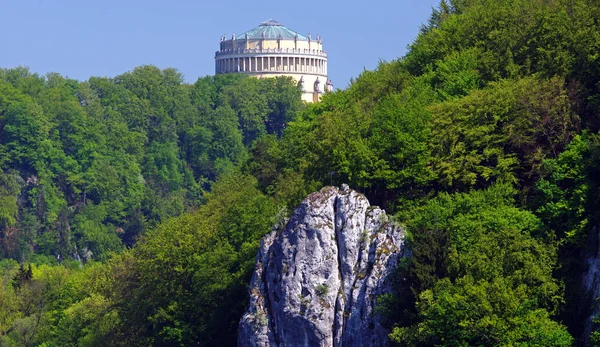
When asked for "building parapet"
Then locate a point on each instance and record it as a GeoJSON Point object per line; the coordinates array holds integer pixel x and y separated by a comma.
{"type": "Point", "coordinates": [272, 50]}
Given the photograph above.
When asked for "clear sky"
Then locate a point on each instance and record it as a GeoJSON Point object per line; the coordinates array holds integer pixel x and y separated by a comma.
{"type": "Point", "coordinates": [83, 38]}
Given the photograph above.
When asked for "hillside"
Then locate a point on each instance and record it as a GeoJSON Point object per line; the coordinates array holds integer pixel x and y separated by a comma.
{"type": "Point", "coordinates": [131, 208]}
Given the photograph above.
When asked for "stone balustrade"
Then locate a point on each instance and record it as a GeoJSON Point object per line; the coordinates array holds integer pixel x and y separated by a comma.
{"type": "Point", "coordinates": [272, 51]}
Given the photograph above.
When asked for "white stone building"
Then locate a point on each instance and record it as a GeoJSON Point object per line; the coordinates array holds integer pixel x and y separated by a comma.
{"type": "Point", "coordinates": [271, 50]}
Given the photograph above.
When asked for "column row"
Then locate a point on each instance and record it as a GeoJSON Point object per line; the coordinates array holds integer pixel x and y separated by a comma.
{"type": "Point", "coordinates": [272, 63]}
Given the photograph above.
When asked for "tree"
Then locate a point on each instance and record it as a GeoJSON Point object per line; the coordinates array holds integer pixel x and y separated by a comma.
{"type": "Point", "coordinates": [191, 272]}
{"type": "Point", "coordinates": [492, 282]}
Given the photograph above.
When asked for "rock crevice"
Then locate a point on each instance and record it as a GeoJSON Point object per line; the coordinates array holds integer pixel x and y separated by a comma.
{"type": "Point", "coordinates": [316, 281]}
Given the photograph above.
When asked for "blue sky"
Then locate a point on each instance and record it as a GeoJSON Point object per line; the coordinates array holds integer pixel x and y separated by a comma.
{"type": "Point", "coordinates": [83, 38]}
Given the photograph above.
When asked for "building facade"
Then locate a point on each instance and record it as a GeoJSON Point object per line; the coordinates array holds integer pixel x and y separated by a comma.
{"type": "Point", "coordinates": [271, 50]}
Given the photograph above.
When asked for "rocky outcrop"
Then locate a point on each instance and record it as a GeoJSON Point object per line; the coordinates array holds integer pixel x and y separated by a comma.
{"type": "Point", "coordinates": [317, 280]}
{"type": "Point", "coordinates": [591, 283]}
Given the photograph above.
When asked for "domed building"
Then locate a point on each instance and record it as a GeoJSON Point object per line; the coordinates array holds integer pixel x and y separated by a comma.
{"type": "Point", "coordinates": [271, 50]}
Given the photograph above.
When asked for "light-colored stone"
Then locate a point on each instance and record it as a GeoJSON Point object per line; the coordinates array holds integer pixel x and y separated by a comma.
{"type": "Point", "coordinates": [316, 282]}
{"type": "Point", "coordinates": [591, 283]}
{"type": "Point", "coordinates": [271, 50]}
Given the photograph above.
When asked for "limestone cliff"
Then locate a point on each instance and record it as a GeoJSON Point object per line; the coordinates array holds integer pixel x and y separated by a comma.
{"type": "Point", "coordinates": [591, 283]}
{"type": "Point", "coordinates": [316, 282]}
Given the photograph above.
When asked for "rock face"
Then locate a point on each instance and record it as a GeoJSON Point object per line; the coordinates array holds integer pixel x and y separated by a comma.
{"type": "Point", "coordinates": [316, 282]}
{"type": "Point", "coordinates": [591, 283]}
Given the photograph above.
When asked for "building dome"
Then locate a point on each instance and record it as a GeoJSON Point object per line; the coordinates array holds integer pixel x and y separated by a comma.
{"type": "Point", "coordinates": [271, 30]}
{"type": "Point", "coordinates": [271, 50]}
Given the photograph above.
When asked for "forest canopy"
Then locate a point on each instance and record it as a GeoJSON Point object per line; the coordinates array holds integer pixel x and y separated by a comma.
{"type": "Point", "coordinates": [131, 208]}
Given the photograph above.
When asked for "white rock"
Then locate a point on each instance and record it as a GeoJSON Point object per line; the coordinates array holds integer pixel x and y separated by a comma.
{"type": "Point", "coordinates": [317, 281]}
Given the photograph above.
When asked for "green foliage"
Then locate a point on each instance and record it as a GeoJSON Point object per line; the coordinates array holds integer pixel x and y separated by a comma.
{"type": "Point", "coordinates": [483, 278]}
{"type": "Point", "coordinates": [87, 167]}
{"type": "Point", "coordinates": [567, 190]}
{"type": "Point", "coordinates": [193, 270]}
{"type": "Point", "coordinates": [480, 313]}
{"type": "Point", "coordinates": [321, 289]}
{"type": "Point", "coordinates": [10, 235]}
{"type": "Point", "coordinates": [501, 133]}
{"type": "Point", "coordinates": [487, 105]}
{"type": "Point", "coordinates": [568, 204]}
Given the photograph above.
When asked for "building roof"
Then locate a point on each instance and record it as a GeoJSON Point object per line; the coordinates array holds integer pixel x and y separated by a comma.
{"type": "Point", "coordinates": [271, 30]}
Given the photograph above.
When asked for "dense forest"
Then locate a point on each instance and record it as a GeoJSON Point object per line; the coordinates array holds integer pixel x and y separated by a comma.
{"type": "Point", "coordinates": [131, 208]}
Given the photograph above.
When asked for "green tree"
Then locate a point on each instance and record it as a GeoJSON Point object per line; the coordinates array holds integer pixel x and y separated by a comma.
{"type": "Point", "coordinates": [491, 281]}
{"type": "Point", "coordinates": [192, 271]}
